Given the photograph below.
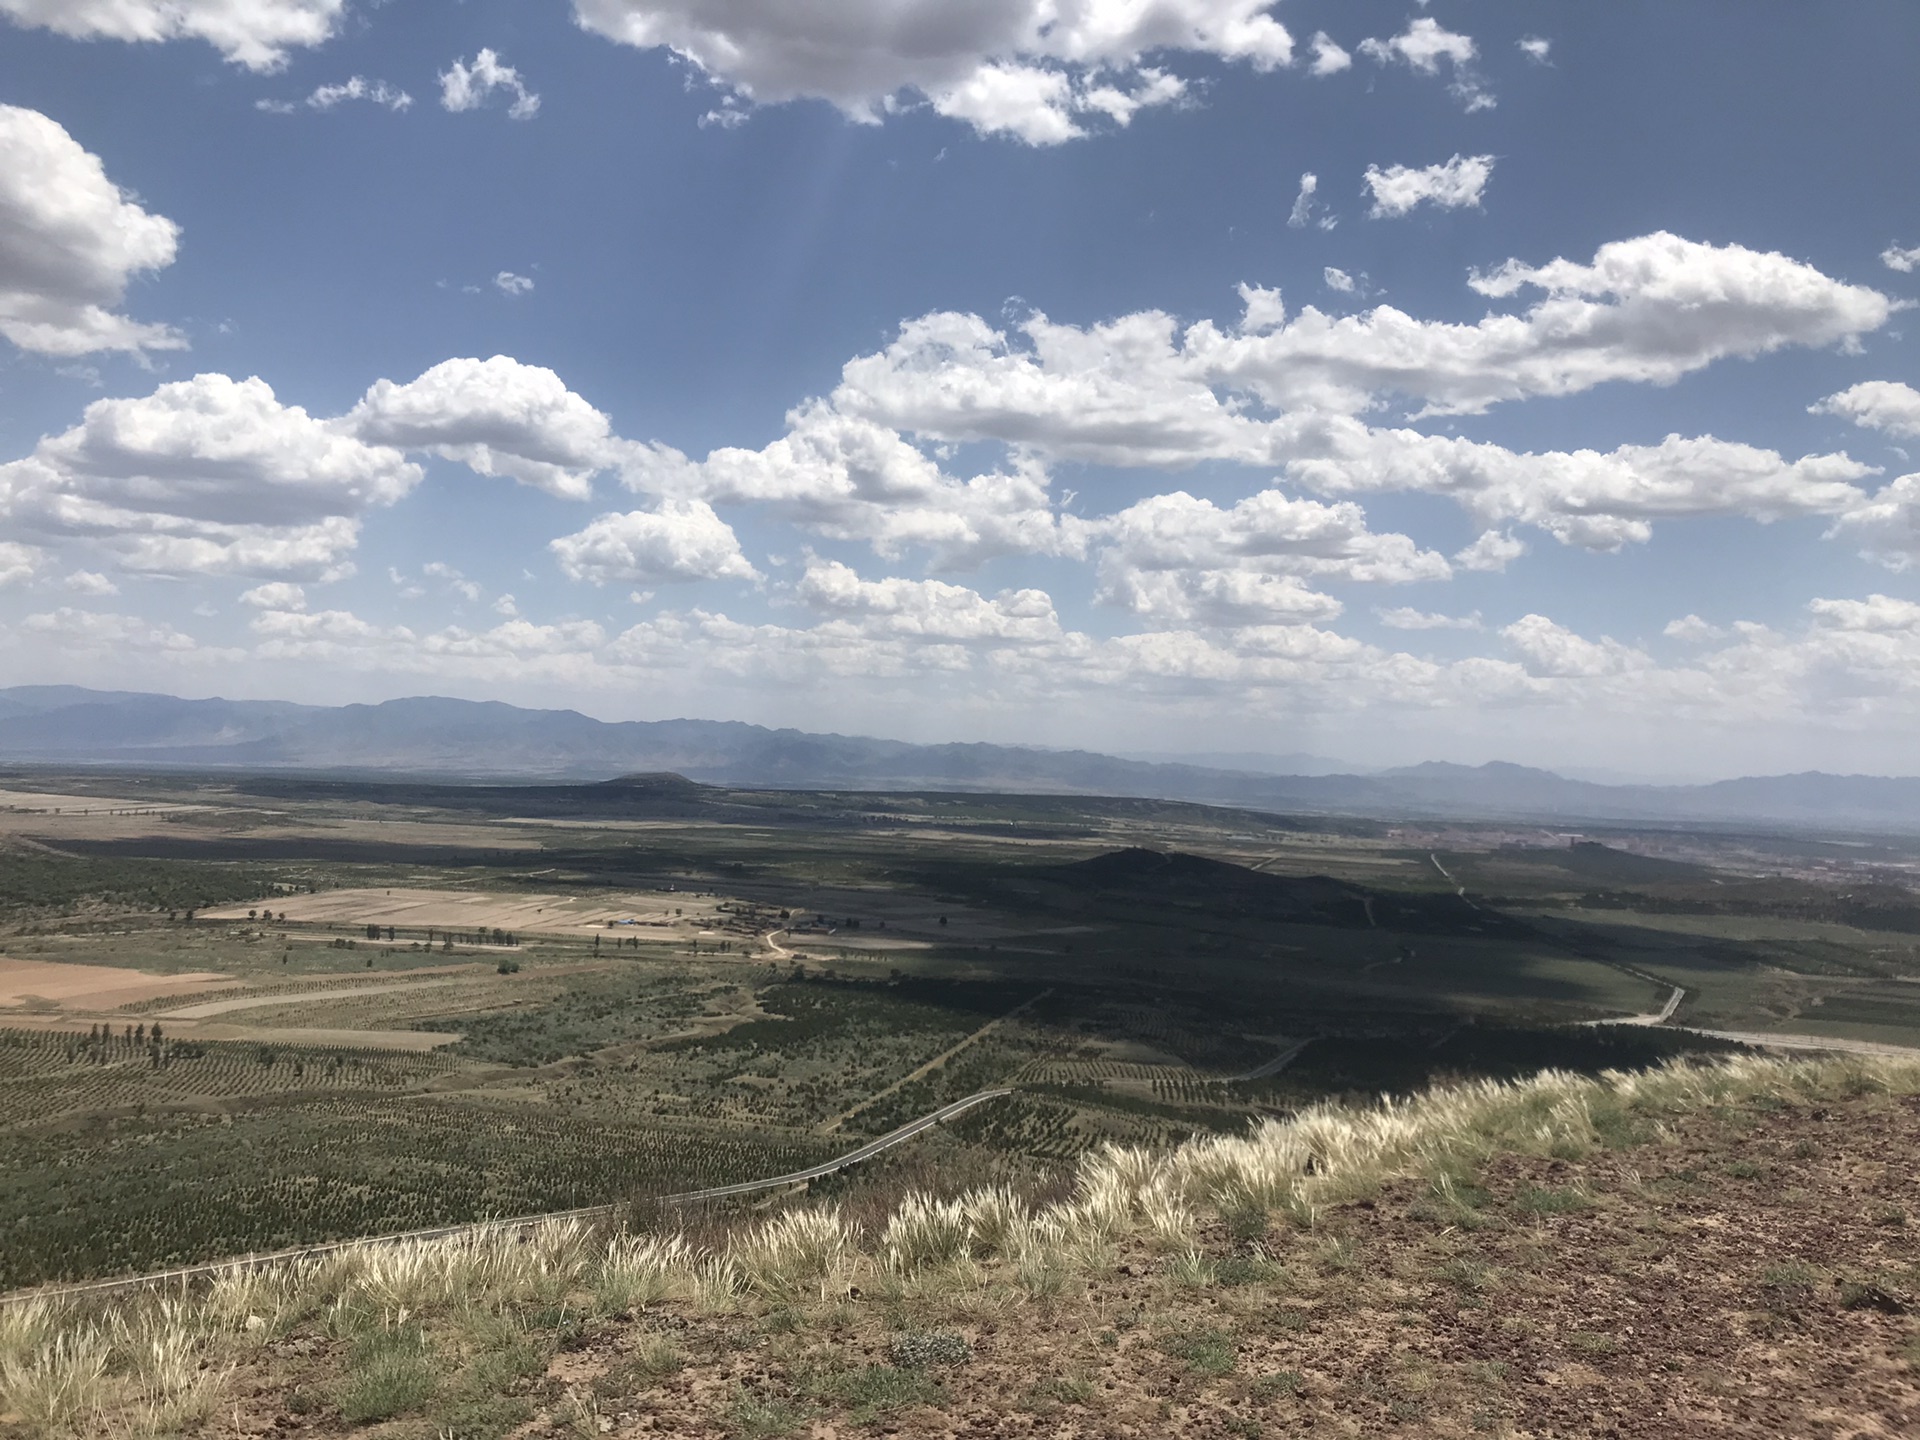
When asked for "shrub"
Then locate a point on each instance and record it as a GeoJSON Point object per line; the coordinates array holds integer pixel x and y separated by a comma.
{"type": "Point", "coordinates": [919, 1349]}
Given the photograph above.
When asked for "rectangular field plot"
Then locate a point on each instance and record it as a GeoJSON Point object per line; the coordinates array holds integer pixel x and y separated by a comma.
{"type": "Point", "coordinates": [415, 910]}
{"type": "Point", "coordinates": [42, 984]}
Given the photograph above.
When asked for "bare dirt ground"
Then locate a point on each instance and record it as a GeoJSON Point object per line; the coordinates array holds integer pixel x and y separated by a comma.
{"type": "Point", "coordinates": [93, 987]}
{"type": "Point", "coordinates": [480, 910]}
{"type": "Point", "coordinates": [1749, 1273]}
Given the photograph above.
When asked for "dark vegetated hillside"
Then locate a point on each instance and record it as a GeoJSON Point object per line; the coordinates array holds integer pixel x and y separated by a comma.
{"type": "Point", "coordinates": [1592, 860]}
{"type": "Point", "coordinates": [1217, 889]}
{"type": "Point", "coordinates": [45, 880]}
{"type": "Point", "coordinates": [1360, 1067]}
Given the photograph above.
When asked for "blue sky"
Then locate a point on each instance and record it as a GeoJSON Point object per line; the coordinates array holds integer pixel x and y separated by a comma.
{"type": "Point", "coordinates": [979, 372]}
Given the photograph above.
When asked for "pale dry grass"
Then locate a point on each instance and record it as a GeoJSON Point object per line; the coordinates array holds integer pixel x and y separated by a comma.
{"type": "Point", "coordinates": [157, 1362]}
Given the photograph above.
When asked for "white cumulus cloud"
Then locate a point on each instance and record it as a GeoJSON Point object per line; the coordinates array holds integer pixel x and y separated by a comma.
{"type": "Point", "coordinates": [496, 416]}
{"type": "Point", "coordinates": [932, 610]}
{"type": "Point", "coordinates": [1178, 558]}
{"type": "Point", "coordinates": [19, 563]}
{"type": "Point", "coordinates": [275, 595]}
{"type": "Point", "coordinates": [849, 479]}
{"type": "Point", "coordinates": [1295, 394]}
{"type": "Point", "coordinates": [1552, 651]}
{"type": "Point", "coordinates": [467, 87]}
{"type": "Point", "coordinates": [682, 540]}
{"type": "Point", "coordinates": [1451, 185]}
{"type": "Point", "coordinates": [1885, 405]}
{"type": "Point", "coordinates": [1491, 550]}
{"type": "Point", "coordinates": [70, 241]}
{"type": "Point", "coordinates": [1306, 205]}
{"type": "Point", "coordinates": [1427, 47]}
{"type": "Point", "coordinates": [1405, 617]}
{"type": "Point", "coordinates": [1906, 261]}
{"type": "Point", "coordinates": [1029, 69]}
{"type": "Point", "coordinates": [208, 475]}
{"type": "Point", "coordinates": [1692, 630]}
{"type": "Point", "coordinates": [326, 97]}
{"type": "Point", "coordinates": [90, 582]}
{"type": "Point", "coordinates": [1886, 526]}
{"type": "Point", "coordinates": [508, 283]}
{"type": "Point", "coordinates": [104, 633]}
{"type": "Point", "coordinates": [254, 33]}
{"type": "Point", "coordinates": [1328, 57]}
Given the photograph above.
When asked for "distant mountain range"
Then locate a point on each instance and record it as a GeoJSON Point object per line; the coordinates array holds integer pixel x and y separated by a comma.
{"type": "Point", "coordinates": [66, 725]}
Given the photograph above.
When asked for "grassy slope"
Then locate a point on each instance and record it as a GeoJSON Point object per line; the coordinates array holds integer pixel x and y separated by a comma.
{"type": "Point", "coordinates": [1725, 1251]}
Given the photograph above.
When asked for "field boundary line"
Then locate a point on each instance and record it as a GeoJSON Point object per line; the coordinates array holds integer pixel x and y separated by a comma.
{"type": "Point", "coordinates": [519, 1222]}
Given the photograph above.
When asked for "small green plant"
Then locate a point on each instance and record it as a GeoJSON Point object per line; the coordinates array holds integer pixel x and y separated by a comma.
{"type": "Point", "coordinates": [389, 1372]}
{"type": "Point", "coordinates": [1192, 1267]}
{"type": "Point", "coordinates": [1453, 1202]}
{"type": "Point", "coordinates": [1787, 1288]}
{"type": "Point", "coordinates": [759, 1415]}
{"type": "Point", "coordinates": [1073, 1388]}
{"type": "Point", "coordinates": [875, 1389]}
{"type": "Point", "coordinates": [1247, 1222]}
{"type": "Point", "coordinates": [1745, 1170]}
{"type": "Point", "coordinates": [482, 1417]}
{"type": "Point", "coordinates": [655, 1357]}
{"type": "Point", "coordinates": [1276, 1383]}
{"type": "Point", "coordinates": [1534, 1200]}
{"type": "Point", "coordinates": [1340, 1253]}
{"type": "Point", "coordinates": [1592, 1342]}
{"type": "Point", "coordinates": [1254, 1269]}
{"type": "Point", "coordinates": [1468, 1275]}
{"type": "Point", "coordinates": [1205, 1352]}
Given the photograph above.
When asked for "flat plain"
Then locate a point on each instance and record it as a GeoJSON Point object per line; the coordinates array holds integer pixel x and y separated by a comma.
{"type": "Point", "coordinates": [240, 1014]}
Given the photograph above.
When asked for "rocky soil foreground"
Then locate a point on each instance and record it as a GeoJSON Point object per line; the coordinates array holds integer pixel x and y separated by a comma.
{"type": "Point", "coordinates": [1752, 1270]}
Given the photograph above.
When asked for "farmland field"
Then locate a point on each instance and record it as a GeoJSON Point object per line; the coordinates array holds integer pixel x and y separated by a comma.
{"type": "Point", "coordinates": [237, 1015]}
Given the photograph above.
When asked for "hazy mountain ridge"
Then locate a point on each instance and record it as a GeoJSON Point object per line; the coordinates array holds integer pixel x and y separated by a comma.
{"type": "Point", "coordinates": [435, 735]}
